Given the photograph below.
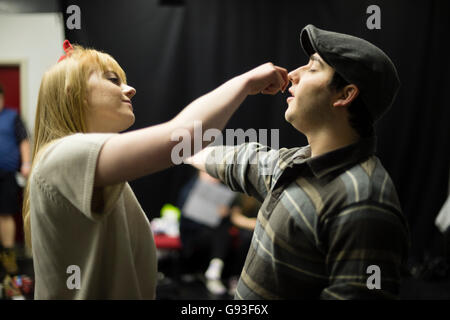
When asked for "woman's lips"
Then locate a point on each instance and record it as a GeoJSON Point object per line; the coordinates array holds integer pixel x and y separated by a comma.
{"type": "Point", "coordinates": [129, 103]}
{"type": "Point", "coordinates": [289, 99]}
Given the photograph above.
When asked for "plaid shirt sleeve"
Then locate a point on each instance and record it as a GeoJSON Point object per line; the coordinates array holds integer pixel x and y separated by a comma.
{"type": "Point", "coordinates": [366, 245]}
{"type": "Point", "coordinates": [247, 168]}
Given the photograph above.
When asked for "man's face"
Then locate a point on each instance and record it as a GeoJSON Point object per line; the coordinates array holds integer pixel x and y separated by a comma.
{"type": "Point", "coordinates": [310, 105]}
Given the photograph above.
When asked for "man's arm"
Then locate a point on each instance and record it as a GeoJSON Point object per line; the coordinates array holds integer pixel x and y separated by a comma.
{"type": "Point", "coordinates": [366, 245]}
{"type": "Point", "coordinates": [248, 168]}
{"type": "Point", "coordinates": [134, 154]}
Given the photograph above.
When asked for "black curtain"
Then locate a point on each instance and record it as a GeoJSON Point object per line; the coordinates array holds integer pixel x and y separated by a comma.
{"type": "Point", "coordinates": [175, 51]}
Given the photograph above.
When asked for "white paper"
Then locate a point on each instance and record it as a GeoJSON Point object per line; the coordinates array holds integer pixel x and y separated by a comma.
{"type": "Point", "coordinates": [204, 200]}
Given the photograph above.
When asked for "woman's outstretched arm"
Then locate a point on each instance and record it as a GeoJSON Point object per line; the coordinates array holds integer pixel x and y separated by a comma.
{"type": "Point", "coordinates": [141, 152]}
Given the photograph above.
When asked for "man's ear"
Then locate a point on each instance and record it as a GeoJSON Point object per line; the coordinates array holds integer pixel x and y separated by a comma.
{"type": "Point", "coordinates": [346, 95]}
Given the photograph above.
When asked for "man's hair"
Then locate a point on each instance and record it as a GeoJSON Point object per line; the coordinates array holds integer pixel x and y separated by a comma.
{"type": "Point", "coordinates": [1, 89]}
{"type": "Point", "coordinates": [359, 117]}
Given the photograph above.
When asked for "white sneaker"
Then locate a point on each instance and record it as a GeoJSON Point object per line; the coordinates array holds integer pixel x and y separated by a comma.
{"type": "Point", "coordinates": [214, 270]}
{"type": "Point", "coordinates": [215, 287]}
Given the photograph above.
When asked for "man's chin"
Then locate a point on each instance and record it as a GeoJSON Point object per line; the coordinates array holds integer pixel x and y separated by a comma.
{"type": "Point", "coordinates": [291, 119]}
{"type": "Point", "coordinates": [288, 116]}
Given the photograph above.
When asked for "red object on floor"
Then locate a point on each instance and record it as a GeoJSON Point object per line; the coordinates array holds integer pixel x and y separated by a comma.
{"type": "Point", "coordinates": [163, 241]}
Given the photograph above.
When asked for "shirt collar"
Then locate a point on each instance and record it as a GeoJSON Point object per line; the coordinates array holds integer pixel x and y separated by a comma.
{"type": "Point", "coordinates": [337, 159]}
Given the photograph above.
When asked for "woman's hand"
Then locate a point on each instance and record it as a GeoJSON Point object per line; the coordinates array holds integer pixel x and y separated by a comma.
{"type": "Point", "coordinates": [266, 79]}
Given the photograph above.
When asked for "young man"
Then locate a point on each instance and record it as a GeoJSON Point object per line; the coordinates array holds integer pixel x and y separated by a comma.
{"type": "Point", "coordinates": [14, 155]}
{"type": "Point", "coordinates": [330, 225]}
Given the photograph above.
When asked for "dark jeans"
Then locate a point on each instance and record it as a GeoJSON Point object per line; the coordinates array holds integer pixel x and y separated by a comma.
{"type": "Point", "coordinates": [201, 243]}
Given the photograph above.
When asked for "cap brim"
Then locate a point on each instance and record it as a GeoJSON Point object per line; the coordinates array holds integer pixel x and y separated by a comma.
{"type": "Point", "coordinates": [305, 40]}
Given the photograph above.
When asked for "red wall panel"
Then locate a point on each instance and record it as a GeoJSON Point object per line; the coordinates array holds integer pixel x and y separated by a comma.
{"type": "Point", "coordinates": [10, 80]}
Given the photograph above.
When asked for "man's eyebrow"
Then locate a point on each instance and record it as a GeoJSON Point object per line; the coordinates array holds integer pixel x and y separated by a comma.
{"type": "Point", "coordinates": [315, 58]}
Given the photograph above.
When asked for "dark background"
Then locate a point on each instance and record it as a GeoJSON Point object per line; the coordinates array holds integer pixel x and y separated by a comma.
{"type": "Point", "coordinates": [175, 51]}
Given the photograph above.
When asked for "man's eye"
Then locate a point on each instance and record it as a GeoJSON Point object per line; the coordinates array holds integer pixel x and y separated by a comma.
{"type": "Point", "coordinates": [312, 70]}
{"type": "Point", "coordinates": [114, 80]}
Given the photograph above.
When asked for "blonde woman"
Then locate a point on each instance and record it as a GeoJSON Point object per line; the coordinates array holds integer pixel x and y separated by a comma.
{"type": "Point", "coordinates": [90, 238]}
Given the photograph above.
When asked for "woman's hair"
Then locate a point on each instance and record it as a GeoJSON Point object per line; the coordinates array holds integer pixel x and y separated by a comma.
{"type": "Point", "coordinates": [62, 104]}
{"type": "Point", "coordinates": [358, 115]}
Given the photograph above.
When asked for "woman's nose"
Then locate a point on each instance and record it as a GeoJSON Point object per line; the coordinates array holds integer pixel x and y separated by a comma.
{"type": "Point", "coordinates": [129, 91]}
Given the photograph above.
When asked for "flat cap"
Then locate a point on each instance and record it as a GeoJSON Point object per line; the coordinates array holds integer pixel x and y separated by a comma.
{"type": "Point", "coordinates": [359, 62]}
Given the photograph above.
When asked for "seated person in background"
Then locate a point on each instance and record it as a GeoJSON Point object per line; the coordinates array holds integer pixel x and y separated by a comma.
{"type": "Point", "coordinates": [243, 218]}
{"type": "Point", "coordinates": [204, 227]}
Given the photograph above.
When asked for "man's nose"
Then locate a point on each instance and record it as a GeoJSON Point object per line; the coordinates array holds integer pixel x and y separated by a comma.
{"type": "Point", "coordinates": [294, 76]}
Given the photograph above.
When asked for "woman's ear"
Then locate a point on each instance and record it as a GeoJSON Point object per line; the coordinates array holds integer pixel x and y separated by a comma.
{"type": "Point", "coordinates": [346, 95]}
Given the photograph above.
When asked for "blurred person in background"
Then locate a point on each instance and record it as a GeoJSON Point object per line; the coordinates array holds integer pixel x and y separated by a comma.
{"type": "Point", "coordinates": [15, 156]}
{"type": "Point", "coordinates": [205, 229]}
{"type": "Point", "coordinates": [244, 211]}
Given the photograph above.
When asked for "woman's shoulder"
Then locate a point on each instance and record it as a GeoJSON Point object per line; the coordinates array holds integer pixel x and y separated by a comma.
{"type": "Point", "coordinates": [65, 167]}
{"type": "Point", "coordinates": [73, 144]}
{"type": "Point", "coordinates": [56, 145]}
{"type": "Point", "coordinates": [69, 152]}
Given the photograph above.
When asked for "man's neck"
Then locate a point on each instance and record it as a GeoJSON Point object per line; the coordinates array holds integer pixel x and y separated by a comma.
{"type": "Point", "coordinates": [329, 139]}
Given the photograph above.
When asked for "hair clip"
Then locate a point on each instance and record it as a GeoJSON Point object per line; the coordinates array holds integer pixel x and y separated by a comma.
{"type": "Point", "coordinates": [67, 49]}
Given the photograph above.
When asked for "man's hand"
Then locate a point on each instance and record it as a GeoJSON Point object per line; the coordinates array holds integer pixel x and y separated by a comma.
{"type": "Point", "coordinates": [266, 79]}
{"type": "Point", "coordinates": [198, 160]}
